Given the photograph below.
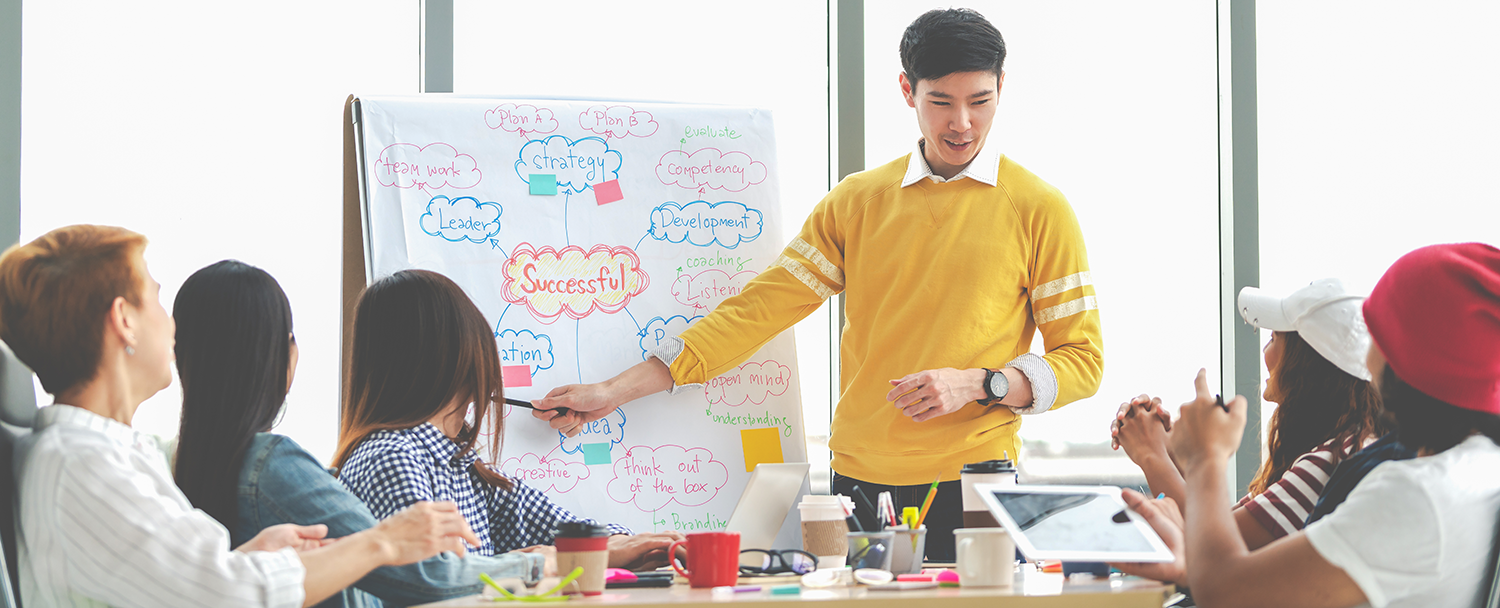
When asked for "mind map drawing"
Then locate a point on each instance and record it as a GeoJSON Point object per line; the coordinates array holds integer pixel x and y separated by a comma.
{"type": "Point", "coordinates": [590, 233]}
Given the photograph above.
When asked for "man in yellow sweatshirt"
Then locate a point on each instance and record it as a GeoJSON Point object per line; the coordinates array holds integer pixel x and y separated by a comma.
{"type": "Point", "coordinates": [950, 259]}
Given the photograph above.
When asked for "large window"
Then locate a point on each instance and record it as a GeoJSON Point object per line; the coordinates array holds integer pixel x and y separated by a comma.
{"type": "Point", "coordinates": [215, 129]}
{"type": "Point", "coordinates": [1377, 135]}
{"type": "Point", "coordinates": [1114, 104]}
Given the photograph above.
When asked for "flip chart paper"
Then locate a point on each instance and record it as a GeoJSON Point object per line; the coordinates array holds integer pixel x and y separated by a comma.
{"type": "Point", "coordinates": [576, 291]}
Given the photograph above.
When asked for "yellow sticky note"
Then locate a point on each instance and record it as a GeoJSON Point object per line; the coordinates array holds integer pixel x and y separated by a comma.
{"type": "Point", "coordinates": [761, 445]}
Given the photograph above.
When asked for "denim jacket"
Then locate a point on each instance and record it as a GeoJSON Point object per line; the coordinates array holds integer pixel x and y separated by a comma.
{"type": "Point", "coordinates": [281, 483]}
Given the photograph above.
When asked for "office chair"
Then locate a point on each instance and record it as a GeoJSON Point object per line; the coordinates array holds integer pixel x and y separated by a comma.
{"type": "Point", "coordinates": [1494, 599]}
{"type": "Point", "coordinates": [17, 410]}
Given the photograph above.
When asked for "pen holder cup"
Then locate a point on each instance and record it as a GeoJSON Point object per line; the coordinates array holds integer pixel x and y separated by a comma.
{"type": "Point", "coordinates": [907, 550]}
{"type": "Point", "coordinates": [871, 549]}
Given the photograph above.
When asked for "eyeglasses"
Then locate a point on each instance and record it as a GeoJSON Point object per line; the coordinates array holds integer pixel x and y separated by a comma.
{"type": "Point", "coordinates": [779, 561]}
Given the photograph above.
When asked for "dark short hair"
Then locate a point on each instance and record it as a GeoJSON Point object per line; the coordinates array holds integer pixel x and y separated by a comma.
{"type": "Point", "coordinates": [1424, 421]}
{"type": "Point", "coordinates": [943, 42]}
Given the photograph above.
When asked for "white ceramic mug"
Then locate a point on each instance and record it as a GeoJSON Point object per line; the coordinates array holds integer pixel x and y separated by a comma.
{"type": "Point", "coordinates": [986, 557]}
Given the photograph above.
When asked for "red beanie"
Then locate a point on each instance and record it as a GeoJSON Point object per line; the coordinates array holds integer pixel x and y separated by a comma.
{"type": "Point", "coordinates": [1436, 317]}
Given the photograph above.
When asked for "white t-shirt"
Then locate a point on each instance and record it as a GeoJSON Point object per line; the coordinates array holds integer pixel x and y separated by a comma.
{"type": "Point", "coordinates": [1419, 532]}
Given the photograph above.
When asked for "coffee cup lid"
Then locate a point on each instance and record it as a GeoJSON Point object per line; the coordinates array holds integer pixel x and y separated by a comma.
{"type": "Point", "coordinates": [580, 529]}
{"type": "Point", "coordinates": [1001, 465]}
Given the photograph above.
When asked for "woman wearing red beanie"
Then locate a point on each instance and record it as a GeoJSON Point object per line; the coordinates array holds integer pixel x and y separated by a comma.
{"type": "Point", "coordinates": [1418, 532]}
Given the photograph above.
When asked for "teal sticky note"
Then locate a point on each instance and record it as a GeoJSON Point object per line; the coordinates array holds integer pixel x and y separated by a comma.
{"type": "Point", "coordinates": [596, 453]}
{"type": "Point", "coordinates": [544, 184]}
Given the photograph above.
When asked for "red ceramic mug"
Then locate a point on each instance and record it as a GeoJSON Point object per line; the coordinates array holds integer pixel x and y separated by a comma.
{"type": "Point", "coordinates": [713, 559]}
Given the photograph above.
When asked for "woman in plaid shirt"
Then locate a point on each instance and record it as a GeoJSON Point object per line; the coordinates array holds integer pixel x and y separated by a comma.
{"type": "Point", "coordinates": [422, 359]}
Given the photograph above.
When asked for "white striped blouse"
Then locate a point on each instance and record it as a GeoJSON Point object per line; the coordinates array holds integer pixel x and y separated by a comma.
{"type": "Point", "coordinates": [102, 524]}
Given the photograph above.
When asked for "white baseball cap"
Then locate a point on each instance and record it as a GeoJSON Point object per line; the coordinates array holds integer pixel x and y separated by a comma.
{"type": "Point", "coordinates": [1328, 319]}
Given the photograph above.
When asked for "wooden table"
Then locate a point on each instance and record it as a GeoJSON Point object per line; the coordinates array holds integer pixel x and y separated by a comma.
{"type": "Point", "coordinates": [1031, 590]}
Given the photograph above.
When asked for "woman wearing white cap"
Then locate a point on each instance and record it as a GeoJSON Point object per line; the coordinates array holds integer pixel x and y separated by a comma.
{"type": "Point", "coordinates": [1327, 408]}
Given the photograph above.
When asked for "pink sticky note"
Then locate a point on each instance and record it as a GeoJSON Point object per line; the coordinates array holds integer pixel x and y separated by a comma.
{"type": "Point", "coordinates": [515, 375]}
{"type": "Point", "coordinates": [608, 192]}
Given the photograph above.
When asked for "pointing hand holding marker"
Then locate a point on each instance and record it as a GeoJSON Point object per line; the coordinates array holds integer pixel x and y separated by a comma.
{"type": "Point", "coordinates": [568, 408]}
{"type": "Point", "coordinates": [561, 411]}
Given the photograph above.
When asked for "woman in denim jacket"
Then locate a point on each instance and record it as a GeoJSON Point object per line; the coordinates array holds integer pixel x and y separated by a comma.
{"type": "Point", "coordinates": [236, 357]}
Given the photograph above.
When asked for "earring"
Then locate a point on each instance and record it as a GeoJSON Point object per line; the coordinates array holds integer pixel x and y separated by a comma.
{"type": "Point", "coordinates": [129, 350]}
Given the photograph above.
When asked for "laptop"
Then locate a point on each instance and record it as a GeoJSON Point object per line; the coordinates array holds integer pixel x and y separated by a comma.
{"type": "Point", "coordinates": [767, 501]}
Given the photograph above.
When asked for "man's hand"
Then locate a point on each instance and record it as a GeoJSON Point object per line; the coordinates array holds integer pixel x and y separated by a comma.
{"type": "Point", "coordinates": [643, 551]}
{"type": "Point", "coordinates": [281, 536]}
{"type": "Point", "coordinates": [549, 552]}
{"type": "Point", "coordinates": [1205, 434]}
{"type": "Point", "coordinates": [589, 402]}
{"type": "Point", "coordinates": [423, 530]}
{"type": "Point", "coordinates": [935, 392]}
{"type": "Point", "coordinates": [585, 402]}
{"type": "Point", "coordinates": [1166, 519]}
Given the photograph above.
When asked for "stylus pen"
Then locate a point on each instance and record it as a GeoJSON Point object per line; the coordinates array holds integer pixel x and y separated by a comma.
{"type": "Point", "coordinates": [1219, 401]}
{"type": "Point", "coordinates": [864, 503]}
{"type": "Point", "coordinates": [562, 411]}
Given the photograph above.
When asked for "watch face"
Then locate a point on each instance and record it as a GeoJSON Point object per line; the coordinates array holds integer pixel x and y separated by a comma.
{"type": "Point", "coordinates": [999, 386]}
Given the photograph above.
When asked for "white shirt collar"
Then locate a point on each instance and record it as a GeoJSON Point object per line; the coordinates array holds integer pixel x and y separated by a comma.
{"type": "Point", "coordinates": [59, 414]}
{"type": "Point", "coordinates": [985, 168]}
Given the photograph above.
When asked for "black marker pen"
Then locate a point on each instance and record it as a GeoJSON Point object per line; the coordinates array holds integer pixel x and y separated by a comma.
{"type": "Point", "coordinates": [562, 411]}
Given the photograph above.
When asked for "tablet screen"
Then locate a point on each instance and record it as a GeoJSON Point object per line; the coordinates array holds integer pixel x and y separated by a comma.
{"type": "Point", "coordinates": [1073, 522]}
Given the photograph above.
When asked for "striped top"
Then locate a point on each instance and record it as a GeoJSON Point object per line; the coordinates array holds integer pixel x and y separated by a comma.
{"type": "Point", "coordinates": [102, 524]}
{"type": "Point", "coordinates": [1284, 506]}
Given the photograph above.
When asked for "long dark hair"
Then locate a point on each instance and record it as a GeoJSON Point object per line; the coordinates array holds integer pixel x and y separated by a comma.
{"type": "Point", "coordinates": [1423, 421]}
{"type": "Point", "coordinates": [1318, 402]}
{"type": "Point", "coordinates": [234, 328]}
{"type": "Point", "coordinates": [419, 343]}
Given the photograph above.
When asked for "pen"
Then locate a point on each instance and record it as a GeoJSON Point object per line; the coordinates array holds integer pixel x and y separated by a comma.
{"type": "Point", "coordinates": [927, 504]}
{"type": "Point", "coordinates": [849, 519]}
{"type": "Point", "coordinates": [864, 503]}
{"type": "Point", "coordinates": [1219, 401]}
{"type": "Point", "coordinates": [887, 509]}
{"type": "Point", "coordinates": [562, 411]}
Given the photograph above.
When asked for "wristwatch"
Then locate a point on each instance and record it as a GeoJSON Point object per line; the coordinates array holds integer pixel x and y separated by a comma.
{"type": "Point", "coordinates": [995, 386]}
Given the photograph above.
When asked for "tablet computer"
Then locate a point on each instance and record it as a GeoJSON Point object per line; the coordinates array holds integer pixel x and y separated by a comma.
{"type": "Point", "coordinates": [1073, 523]}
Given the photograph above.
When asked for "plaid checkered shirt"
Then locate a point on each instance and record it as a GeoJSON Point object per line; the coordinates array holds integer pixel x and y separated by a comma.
{"type": "Point", "coordinates": [390, 470]}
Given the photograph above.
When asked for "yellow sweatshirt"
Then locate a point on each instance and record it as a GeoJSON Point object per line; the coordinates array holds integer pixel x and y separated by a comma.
{"type": "Point", "coordinates": [958, 274]}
